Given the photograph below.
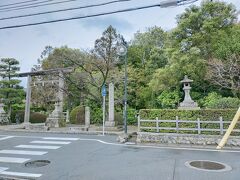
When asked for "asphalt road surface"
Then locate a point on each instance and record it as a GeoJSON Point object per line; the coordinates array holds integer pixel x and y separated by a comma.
{"type": "Point", "coordinates": [88, 157]}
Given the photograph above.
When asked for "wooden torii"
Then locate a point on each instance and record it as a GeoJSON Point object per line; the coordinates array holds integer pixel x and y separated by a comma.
{"type": "Point", "coordinates": [29, 75]}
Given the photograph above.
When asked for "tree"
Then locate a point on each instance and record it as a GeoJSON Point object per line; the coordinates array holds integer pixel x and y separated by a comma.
{"type": "Point", "coordinates": [224, 68]}
{"type": "Point", "coordinates": [197, 26]}
{"type": "Point", "coordinates": [10, 92]}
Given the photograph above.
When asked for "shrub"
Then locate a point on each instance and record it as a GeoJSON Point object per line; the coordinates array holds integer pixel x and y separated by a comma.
{"type": "Point", "coordinates": [35, 117]}
{"type": "Point", "coordinates": [79, 110]}
{"type": "Point", "coordinates": [225, 103]}
{"type": "Point", "coordinates": [168, 99]}
{"type": "Point", "coordinates": [203, 114]}
{"type": "Point", "coordinates": [96, 115]}
{"type": "Point", "coordinates": [132, 117]}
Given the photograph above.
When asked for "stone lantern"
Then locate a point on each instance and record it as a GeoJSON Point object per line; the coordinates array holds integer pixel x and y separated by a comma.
{"type": "Point", "coordinates": [187, 103]}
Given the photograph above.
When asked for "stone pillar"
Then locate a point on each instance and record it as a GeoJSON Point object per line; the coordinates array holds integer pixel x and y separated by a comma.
{"type": "Point", "coordinates": [110, 122]}
{"type": "Point", "coordinates": [3, 114]}
{"type": "Point", "coordinates": [87, 117]}
{"type": "Point", "coordinates": [28, 101]}
{"type": "Point", "coordinates": [60, 91]}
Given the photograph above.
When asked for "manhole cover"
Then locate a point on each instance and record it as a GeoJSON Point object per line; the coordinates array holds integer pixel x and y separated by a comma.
{"type": "Point", "coordinates": [37, 163]}
{"type": "Point", "coordinates": [208, 165]}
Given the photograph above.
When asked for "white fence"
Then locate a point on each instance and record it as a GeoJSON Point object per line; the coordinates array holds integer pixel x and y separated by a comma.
{"type": "Point", "coordinates": [200, 125]}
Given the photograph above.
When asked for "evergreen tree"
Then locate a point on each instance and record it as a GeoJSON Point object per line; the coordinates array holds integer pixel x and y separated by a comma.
{"type": "Point", "coordinates": [10, 90]}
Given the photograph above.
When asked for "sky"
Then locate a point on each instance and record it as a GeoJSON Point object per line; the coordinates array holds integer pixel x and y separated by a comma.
{"type": "Point", "coordinates": [26, 44]}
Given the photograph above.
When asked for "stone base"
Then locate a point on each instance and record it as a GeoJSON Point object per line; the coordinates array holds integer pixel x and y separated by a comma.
{"type": "Point", "coordinates": [187, 139]}
{"type": "Point", "coordinates": [189, 105]}
{"type": "Point", "coordinates": [26, 125]}
{"type": "Point", "coordinates": [52, 122]}
{"type": "Point", "coordinates": [109, 123]}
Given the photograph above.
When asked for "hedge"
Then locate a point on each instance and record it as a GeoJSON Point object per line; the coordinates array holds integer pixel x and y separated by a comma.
{"type": "Point", "coordinates": [202, 114]}
{"type": "Point", "coordinates": [35, 117]}
{"type": "Point", "coordinates": [74, 113]}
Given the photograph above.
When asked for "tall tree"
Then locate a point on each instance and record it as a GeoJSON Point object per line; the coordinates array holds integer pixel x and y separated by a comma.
{"type": "Point", "coordinates": [10, 92]}
{"type": "Point", "coordinates": [197, 26]}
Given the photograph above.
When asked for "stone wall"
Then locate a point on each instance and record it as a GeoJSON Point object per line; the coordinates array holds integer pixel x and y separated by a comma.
{"type": "Point", "coordinates": [187, 139]}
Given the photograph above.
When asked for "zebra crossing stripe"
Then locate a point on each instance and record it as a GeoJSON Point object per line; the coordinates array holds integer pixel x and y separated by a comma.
{"type": "Point", "coordinates": [51, 142]}
{"type": "Point", "coordinates": [13, 160]}
{"type": "Point", "coordinates": [3, 169]}
{"type": "Point", "coordinates": [19, 174]}
{"type": "Point", "coordinates": [60, 138]}
{"type": "Point", "coordinates": [37, 147]}
{"type": "Point", "coordinates": [4, 138]}
{"type": "Point", "coordinates": [23, 152]}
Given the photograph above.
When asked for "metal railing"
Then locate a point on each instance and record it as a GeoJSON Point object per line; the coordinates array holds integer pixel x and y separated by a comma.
{"type": "Point", "coordinates": [200, 126]}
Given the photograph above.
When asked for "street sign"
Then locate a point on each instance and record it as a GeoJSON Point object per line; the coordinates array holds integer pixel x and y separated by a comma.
{"type": "Point", "coordinates": [104, 91]}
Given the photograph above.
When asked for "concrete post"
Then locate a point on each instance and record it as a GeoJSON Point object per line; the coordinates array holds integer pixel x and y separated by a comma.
{"type": "Point", "coordinates": [28, 101]}
{"type": "Point", "coordinates": [110, 122]}
{"type": "Point", "coordinates": [87, 117]}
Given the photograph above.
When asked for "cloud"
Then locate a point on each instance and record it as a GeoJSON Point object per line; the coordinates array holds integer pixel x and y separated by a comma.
{"type": "Point", "coordinates": [104, 22]}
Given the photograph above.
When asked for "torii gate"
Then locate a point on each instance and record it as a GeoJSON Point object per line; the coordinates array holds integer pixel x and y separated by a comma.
{"type": "Point", "coordinates": [29, 75]}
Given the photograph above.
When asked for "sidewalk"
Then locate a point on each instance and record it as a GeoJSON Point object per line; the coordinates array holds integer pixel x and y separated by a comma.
{"type": "Point", "coordinates": [70, 129]}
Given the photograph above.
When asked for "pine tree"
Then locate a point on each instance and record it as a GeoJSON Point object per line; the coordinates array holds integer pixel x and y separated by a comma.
{"type": "Point", "coordinates": [10, 90]}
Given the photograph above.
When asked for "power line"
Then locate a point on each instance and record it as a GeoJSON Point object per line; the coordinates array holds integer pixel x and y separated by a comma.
{"type": "Point", "coordinates": [161, 4]}
{"type": "Point", "coordinates": [63, 10]}
{"type": "Point", "coordinates": [27, 7]}
{"type": "Point", "coordinates": [81, 17]}
{"type": "Point", "coordinates": [23, 2]}
{"type": "Point", "coordinates": [23, 5]}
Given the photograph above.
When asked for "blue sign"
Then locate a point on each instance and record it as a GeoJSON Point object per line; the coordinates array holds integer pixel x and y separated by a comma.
{"type": "Point", "coordinates": [104, 91]}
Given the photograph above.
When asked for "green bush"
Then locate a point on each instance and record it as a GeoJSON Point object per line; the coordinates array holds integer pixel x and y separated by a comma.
{"type": "Point", "coordinates": [225, 103]}
{"type": "Point", "coordinates": [132, 118]}
{"type": "Point", "coordinates": [35, 117]}
{"type": "Point", "coordinates": [75, 112]}
{"type": "Point", "coordinates": [203, 115]}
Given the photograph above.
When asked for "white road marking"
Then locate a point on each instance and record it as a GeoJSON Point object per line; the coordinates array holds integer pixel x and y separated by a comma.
{"type": "Point", "coordinates": [51, 142]}
{"type": "Point", "coordinates": [19, 174]}
{"type": "Point", "coordinates": [4, 138]}
{"type": "Point", "coordinates": [23, 152]}
{"type": "Point", "coordinates": [140, 146]}
{"type": "Point", "coordinates": [59, 138]}
{"type": "Point", "coordinates": [13, 160]}
{"type": "Point", "coordinates": [162, 147]}
{"type": "Point", "coordinates": [37, 147]}
{"type": "Point", "coordinates": [3, 169]}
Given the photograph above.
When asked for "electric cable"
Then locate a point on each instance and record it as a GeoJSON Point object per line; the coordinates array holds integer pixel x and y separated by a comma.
{"type": "Point", "coordinates": [23, 2]}
{"type": "Point", "coordinates": [63, 10]}
{"type": "Point", "coordinates": [161, 4]}
{"type": "Point", "coordinates": [81, 17]}
{"type": "Point", "coordinates": [23, 5]}
{"type": "Point", "coordinates": [35, 6]}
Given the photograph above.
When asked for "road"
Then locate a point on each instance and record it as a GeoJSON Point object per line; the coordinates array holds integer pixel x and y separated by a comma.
{"type": "Point", "coordinates": [88, 157]}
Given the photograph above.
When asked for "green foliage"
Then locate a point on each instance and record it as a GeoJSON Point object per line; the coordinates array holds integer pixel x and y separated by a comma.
{"type": "Point", "coordinates": [224, 103]}
{"type": "Point", "coordinates": [168, 99]}
{"type": "Point", "coordinates": [34, 117]}
{"type": "Point", "coordinates": [73, 114]}
{"type": "Point", "coordinates": [203, 115]}
{"type": "Point", "coordinates": [96, 115]}
{"type": "Point", "coordinates": [10, 91]}
{"type": "Point", "coordinates": [132, 116]}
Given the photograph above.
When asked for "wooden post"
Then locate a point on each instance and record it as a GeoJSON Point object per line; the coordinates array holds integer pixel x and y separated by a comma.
{"type": "Point", "coordinates": [221, 125]}
{"type": "Point", "coordinates": [177, 126]}
{"type": "Point", "coordinates": [230, 128]}
{"type": "Point", "coordinates": [199, 126]}
{"type": "Point", "coordinates": [157, 124]}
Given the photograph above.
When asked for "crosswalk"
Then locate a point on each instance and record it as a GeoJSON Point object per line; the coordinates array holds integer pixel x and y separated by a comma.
{"type": "Point", "coordinates": [32, 149]}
